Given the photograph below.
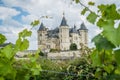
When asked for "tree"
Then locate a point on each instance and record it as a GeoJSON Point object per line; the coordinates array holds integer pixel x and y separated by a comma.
{"type": "Point", "coordinates": [73, 46]}
{"type": "Point", "coordinates": [106, 55]}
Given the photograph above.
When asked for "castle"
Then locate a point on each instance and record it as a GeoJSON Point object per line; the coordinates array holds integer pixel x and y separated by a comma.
{"type": "Point", "coordinates": [62, 37]}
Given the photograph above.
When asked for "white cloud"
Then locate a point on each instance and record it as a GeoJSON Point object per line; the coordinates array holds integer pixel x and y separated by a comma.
{"type": "Point", "coordinates": [54, 8]}
{"type": "Point", "coordinates": [11, 22]}
{"type": "Point", "coordinates": [29, 18]}
{"type": "Point", "coordinates": [6, 12]}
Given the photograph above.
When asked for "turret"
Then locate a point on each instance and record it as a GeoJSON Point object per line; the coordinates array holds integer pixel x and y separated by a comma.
{"type": "Point", "coordinates": [64, 35]}
{"type": "Point", "coordinates": [42, 32]}
{"type": "Point", "coordinates": [83, 31]}
{"type": "Point", "coordinates": [74, 36]}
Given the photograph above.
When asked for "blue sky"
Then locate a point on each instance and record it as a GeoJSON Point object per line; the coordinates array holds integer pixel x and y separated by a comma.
{"type": "Point", "coordinates": [16, 15]}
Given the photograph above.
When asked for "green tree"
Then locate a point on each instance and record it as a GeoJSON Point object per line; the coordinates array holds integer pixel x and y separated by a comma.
{"type": "Point", "coordinates": [105, 57]}
{"type": "Point", "coordinates": [12, 69]}
{"type": "Point", "coordinates": [73, 46]}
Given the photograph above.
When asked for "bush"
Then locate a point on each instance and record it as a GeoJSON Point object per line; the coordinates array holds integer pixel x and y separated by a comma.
{"type": "Point", "coordinates": [73, 46]}
{"type": "Point", "coordinates": [41, 53]}
{"type": "Point", "coordinates": [54, 50]}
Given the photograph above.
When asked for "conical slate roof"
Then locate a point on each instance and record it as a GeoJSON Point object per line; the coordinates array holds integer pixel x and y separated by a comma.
{"type": "Point", "coordinates": [83, 27]}
{"type": "Point", "coordinates": [74, 30]}
{"type": "Point", "coordinates": [63, 22]}
{"type": "Point", "coordinates": [42, 27]}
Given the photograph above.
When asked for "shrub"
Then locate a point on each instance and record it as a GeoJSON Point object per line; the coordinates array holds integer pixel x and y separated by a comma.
{"type": "Point", "coordinates": [73, 46]}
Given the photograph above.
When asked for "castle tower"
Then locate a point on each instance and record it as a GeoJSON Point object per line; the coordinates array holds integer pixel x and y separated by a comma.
{"type": "Point", "coordinates": [84, 34]}
{"type": "Point", "coordinates": [42, 32]}
{"type": "Point", "coordinates": [64, 35]}
{"type": "Point", "coordinates": [75, 37]}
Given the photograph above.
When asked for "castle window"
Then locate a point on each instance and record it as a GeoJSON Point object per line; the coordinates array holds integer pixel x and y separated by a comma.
{"type": "Point", "coordinates": [48, 46]}
{"type": "Point", "coordinates": [76, 38]}
{"type": "Point", "coordinates": [40, 34]}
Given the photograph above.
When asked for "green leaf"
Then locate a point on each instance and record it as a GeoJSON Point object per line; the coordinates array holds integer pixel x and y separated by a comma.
{"type": "Point", "coordinates": [5, 67]}
{"type": "Point", "coordinates": [109, 12]}
{"type": "Point", "coordinates": [8, 51]}
{"type": "Point", "coordinates": [77, 1]}
{"type": "Point", "coordinates": [1, 78]}
{"type": "Point", "coordinates": [91, 3]}
{"type": "Point", "coordinates": [35, 71]}
{"type": "Point", "coordinates": [111, 33]}
{"type": "Point", "coordinates": [18, 42]}
{"type": "Point", "coordinates": [84, 11]}
{"type": "Point", "coordinates": [35, 22]}
{"type": "Point", "coordinates": [2, 39]}
{"type": "Point", "coordinates": [117, 71]}
{"type": "Point", "coordinates": [102, 23]}
{"type": "Point", "coordinates": [24, 45]}
{"type": "Point", "coordinates": [25, 33]}
{"type": "Point", "coordinates": [117, 56]}
{"type": "Point", "coordinates": [95, 57]}
{"type": "Point", "coordinates": [109, 68]}
{"type": "Point", "coordinates": [102, 43]}
{"type": "Point", "coordinates": [92, 17]}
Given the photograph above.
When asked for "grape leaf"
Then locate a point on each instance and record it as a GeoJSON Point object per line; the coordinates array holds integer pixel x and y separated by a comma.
{"type": "Point", "coordinates": [105, 23]}
{"type": "Point", "coordinates": [1, 78]}
{"type": "Point", "coordinates": [24, 45]}
{"type": "Point", "coordinates": [109, 12]}
{"type": "Point", "coordinates": [8, 51]}
{"type": "Point", "coordinates": [84, 11]}
{"type": "Point", "coordinates": [92, 17]}
{"type": "Point", "coordinates": [2, 39]}
{"type": "Point", "coordinates": [117, 56]}
{"type": "Point", "coordinates": [5, 67]}
{"type": "Point", "coordinates": [111, 33]}
{"type": "Point", "coordinates": [95, 57]}
{"type": "Point", "coordinates": [107, 45]}
{"type": "Point", "coordinates": [25, 33]}
{"type": "Point", "coordinates": [35, 22]}
{"type": "Point", "coordinates": [77, 1]}
{"type": "Point", "coordinates": [108, 68]}
{"type": "Point", "coordinates": [91, 3]}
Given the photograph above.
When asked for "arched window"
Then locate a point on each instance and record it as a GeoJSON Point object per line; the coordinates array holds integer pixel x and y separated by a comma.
{"type": "Point", "coordinates": [73, 46]}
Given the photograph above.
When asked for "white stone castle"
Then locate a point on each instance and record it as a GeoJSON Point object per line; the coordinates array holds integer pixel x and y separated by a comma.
{"type": "Point", "coordinates": [62, 37]}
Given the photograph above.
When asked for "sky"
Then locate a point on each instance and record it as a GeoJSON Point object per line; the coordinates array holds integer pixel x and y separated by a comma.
{"type": "Point", "coordinates": [16, 15]}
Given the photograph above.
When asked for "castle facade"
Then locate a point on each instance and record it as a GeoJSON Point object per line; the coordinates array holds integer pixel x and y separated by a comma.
{"type": "Point", "coordinates": [62, 37]}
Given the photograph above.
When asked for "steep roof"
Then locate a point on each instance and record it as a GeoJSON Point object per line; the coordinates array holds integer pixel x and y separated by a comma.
{"type": "Point", "coordinates": [63, 22]}
{"type": "Point", "coordinates": [73, 30]}
{"type": "Point", "coordinates": [83, 27]}
{"type": "Point", "coordinates": [42, 27]}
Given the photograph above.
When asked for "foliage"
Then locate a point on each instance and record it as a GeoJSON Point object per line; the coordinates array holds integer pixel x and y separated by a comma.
{"type": "Point", "coordinates": [73, 46]}
{"type": "Point", "coordinates": [91, 3]}
{"type": "Point", "coordinates": [102, 64]}
{"type": "Point", "coordinates": [54, 50]}
{"type": "Point", "coordinates": [82, 68]}
{"type": "Point", "coordinates": [2, 39]}
{"type": "Point", "coordinates": [106, 55]}
{"type": "Point", "coordinates": [41, 53]}
{"type": "Point", "coordinates": [51, 70]}
{"type": "Point", "coordinates": [35, 23]}
{"type": "Point", "coordinates": [12, 69]}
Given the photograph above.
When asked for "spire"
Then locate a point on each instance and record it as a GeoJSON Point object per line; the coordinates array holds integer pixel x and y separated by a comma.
{"type": "Point", "coordinates": [74, 26]}
{"type": "Point", "coordinates": [83, 27]}
{"type": "Point", "coordinates": [63, 22]}
{"type": "Point", "coordinates": [73, 30]}
{"type": "Point", "coordinates": [42, 27]}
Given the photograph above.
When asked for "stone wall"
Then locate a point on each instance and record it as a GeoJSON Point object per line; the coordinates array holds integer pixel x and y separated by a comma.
{"type": "Point", "coordinates": [63, 55]}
